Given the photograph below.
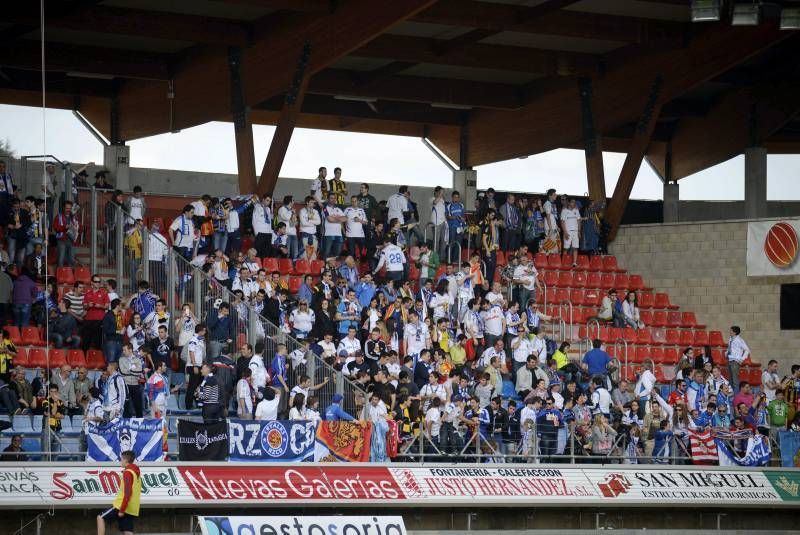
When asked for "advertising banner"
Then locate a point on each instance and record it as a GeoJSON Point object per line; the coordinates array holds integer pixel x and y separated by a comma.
{"type": "Point", "coordinates": [772, 247]}
{"type": "Point", "coordinates": [202, 442]}
{"type": "Point", "coordinates": [144, 436]}
{"type": "Point", "coordinates": [271, 441]}
{"type": "Point", "coordinates": [343, 442]}
{"type": "Point", "coordinates": [302, 525]}
{"type": "Point", "coordinates": [42, 485]}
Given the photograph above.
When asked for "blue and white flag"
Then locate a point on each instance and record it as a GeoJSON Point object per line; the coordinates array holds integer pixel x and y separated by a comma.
{"type": "Point", "coordinates": [790, 449]}
{"type": "Point", "coordinates": [143, 436]}
{"type": "Point", "coordinates": [271, 441]}
{"type": "Point", "coordinates": [758, 452]}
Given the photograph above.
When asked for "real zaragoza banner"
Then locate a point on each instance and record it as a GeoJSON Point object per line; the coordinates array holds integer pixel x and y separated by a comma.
{"type": "Point", "coordinates": [273, 441]}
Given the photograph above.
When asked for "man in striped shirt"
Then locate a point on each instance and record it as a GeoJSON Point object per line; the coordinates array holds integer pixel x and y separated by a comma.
{"type": "Point", "coordinates": [209, 396]}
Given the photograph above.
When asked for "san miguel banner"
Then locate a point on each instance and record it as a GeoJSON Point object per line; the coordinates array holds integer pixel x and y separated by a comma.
{"type": "Point", "coordinates": [343, 442]}
{"type": "Point", "coordinates": [302, 525]}
{"type": "Point", "coordinates": [202, 442]}
{"type": "Point", "coordinates": [143, 436]}
{"type": "Point", "coordinates": [224, 485]}
{"type": "Point", "coordinates": [772, 247]}
{"type": "Point", "coordinates": [275, 441]}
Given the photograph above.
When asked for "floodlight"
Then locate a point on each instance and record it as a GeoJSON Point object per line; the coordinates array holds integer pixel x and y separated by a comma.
{"type": "Point", "coordinates": [790, 18]}
{"type": "Point", "coordinates": [705, 10]}
{"type": "Point", "coordinates": [746, 14]}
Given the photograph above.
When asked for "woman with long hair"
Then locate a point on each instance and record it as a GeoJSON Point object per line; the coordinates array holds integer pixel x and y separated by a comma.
{"type": "Point", "coordinates": [630, 311]}
{"type": "Point", "coordinates": [298, 410]}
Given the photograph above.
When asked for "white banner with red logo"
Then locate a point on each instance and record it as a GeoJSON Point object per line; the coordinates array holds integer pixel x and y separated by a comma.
{"type": "Point", "coordinates": [76, 485]}
{"type": "Point", "coordinates": [772, 247]}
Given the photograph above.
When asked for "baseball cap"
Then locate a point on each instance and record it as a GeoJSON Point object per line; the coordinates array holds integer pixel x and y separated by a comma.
{"type": "Point", "coordinates": [337, 398]}
{"type": "Point", "coordinates": [343, 353]}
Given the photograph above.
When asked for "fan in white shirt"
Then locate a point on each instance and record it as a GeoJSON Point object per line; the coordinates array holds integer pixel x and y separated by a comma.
{"type": "Point", "coordinates": [354, 228]}
{"type": "Point", "coordinates": [397, 204]}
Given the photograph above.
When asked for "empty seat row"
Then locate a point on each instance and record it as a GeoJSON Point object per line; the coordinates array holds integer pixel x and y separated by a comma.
{"type": "Point", "coordinates": [653, 336]}
{"type": "Point", "coordinates": [591, 297]}
{"type": "Point", "coordinates": [589, 279]}
{"type": "Point", "coordinates": [55, 358]}
{"type": "Point", "coordinates": [606, 263]}
{"type": "Point", "coordinates": [28, 336]}
{"type": "Point", "coordinates": [68, 275]}
{"type": "Point", "coordinates": [286, 266]}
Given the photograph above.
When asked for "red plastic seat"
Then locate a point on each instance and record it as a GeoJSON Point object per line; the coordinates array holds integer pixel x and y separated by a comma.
{"type": "Point", "coordinates": [755, 376]}
{"type": "Point", "coordinates": [636, 283]}
{"type": "Point", "coordinates": [554, 261]}
{"type": "Point", "coordinates": [646, 300]}
{"type": "Point", "coordinates": [673, 337]}
{"type": "Point", "coordinates": [687, 338]}
{"type": "Point", "coordinates": [550, 295]}
{"type": "Point", "coordinates": [562, 295]}
{"type": "Point", "coordinates": [614, 334]}
{"type": "Point", "coordinates": [701, 338]}
{"type": "Point", "coordinates": [662, 301]}
{"type": "Point", "coordinates": [583, 332]}
{"type": "Point", "coordinates": [270, 264]}
{"type": "Point", "coordinates": [37, 358]}
{"type": "Point", "coordinates": [13, 332]}
{"type": "Point", "coordinates": [607, 281]}
{"type": "Point", "coordinates": [302, 267]}
{"type": "Point", "coordinates": [64, 275]}
{"type": "Point", "coordinates": [583, 262]}
{"type": "Point", "coordinates": [317, 266]}
{"type": "Point", "coordinates": [82, 274]}
{"type": "Point", "coordinates": [671, 356]}
{"type": "Point", "coordinates": [604, 334]}
{"type": "Point", "coordinates": [715, 339]}
{"type": "Point", "coordinates": [285, 266]}
{"type": "Point", "coordinates": [629, 335]}
{"type": "Point", "coordinates": [294, 284]}
{"type": "Point", "coordinates": [540, 261]}
{"type": "Point", "coordinates": [659, 336]}
{"type": "Point", "coordinates": [593, 280]}
{"type": "Point", "coordinates": [576, 296]}
{"type": "Point", "coordinates": [76, 358]}
{"type": "Point", "coordinates": [621, 282]}
{"type": "Point", "coordinates": [659, 319]}
{"type": "Point", "coordinates": [579, 279]}
{"type": "Point", "coordinates": [659, 373]}
{"type": "Point", "coordinates": [596, 263]}
{"type": "Point", "coordinates": [674, 319]}
{"type": "Point", "coordinates": [642, 354]}
{"type": "Point", "coordinates": [31, 336]}
{"type": "Point", "coordinates": [21, 358]}
{"type": "Point", "coordinates": [657, 354]}
{"type": "Point", "coordinates": [610, 264]}
{"type": "Point", "coordinates": [95, 359]}
{"type": "Point", "coordinates": [565, 279]}
{"type": "Point", "coordinates": [611, 350]}
{"type": "Point", "coordinates": [58, 357]}
{"type": "Point", "coordinates": [688, 319]}
{"type": "Point", "coordinates": [646, 317]}
{"type": "Point", "coordinates": [551, 278]}
{"type": "Point", "coordinates": [643, 337]}
{"type": "Point", "coordinates": [592, 298]}
{"type": "Point", "coordinates": [718, 356]}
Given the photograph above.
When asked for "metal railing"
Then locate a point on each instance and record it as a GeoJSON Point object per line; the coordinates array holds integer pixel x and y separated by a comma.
{"type": "Point", "coordinates": [179, 281]}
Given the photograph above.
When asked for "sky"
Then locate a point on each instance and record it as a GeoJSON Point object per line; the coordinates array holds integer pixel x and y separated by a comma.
{"type": "Point", "coordinates": [374, 158]}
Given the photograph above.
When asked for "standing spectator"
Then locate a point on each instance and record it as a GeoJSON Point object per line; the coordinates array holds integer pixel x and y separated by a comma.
{"type": "Point", "coordinates": [17, 230]}
{"type": "Point", "coordinates": [114, 392]}
{"type": "Point", "coordinates": [181, 232]}
{"type": "Point", "coordinates": [288, 216]}
{"type": "Point", "coordinates": [737, 353]}
{"type": "Point", "coordinates": [67, 228]}
{"type": "Point", "coordinates": [36, 263]}
{"type": "Point", "coordinates": [439, 221]}
{"type": "Point", "coordinates": [234, 243]}
{"type": "Point", "coordinates": [50, 189]}
{"type": "Point", "coordinates": [262, 226]}
{"type": "Point", "coordinates": [131, 366]}
{"type": "Point", "coordinates": [110, 212]}
{"type": "Point", "coordinates": [596, 360]}
{"type": "Point", "coordinates": [398, 205]}
{"type": "Point", "coordinates": [490, 239]}
{"type": "Point", "coordinates": [309, 222]}
{"type": "Point", "coordinates": [220, 329]}
{"type": "Point", "coordinates": [356, 218]}
{"type": "Point", "coordinates": [337, 186]}
{"type": "Point", "coordinates": [7, 190]}
{"type": "Point", "coordinates": [456, 221]}
{"type": "Point", "coordinates": [135, 205]}
{"type": "Point", "coordinates": [62, 378]}
{"type": "Point", "coordinates": [393, 258]}
{"type": "Point", "coordinates": [24, 295]}
{"type": "Point", "coordinates": [245, 395]}
{"type": "Point", "coordinates": [551, 236]}
{"type": "Point", "coordinates": [526, 275]}
{"type": "Point", "coordinates": [133, 251]}
{"type": "Point", "coordinates": [770, 380]}
{"type": "Point", "coordinates": [195, 356]}
{"type": "Point", "coordinates": [113, 328]}
{"type": "Point", "coordinates": [96, 303]}
{"type": "Point", "coordinates": [332, 238]}
{"type": "Point", "coordinates": [37, 230]}
{"type": "Point", "coordinates": [512, 223]}
{"type": "Point", "coordinates": [319, 186]}
{"type": "Point", "coordinates": [54, 411]}
{"type": "Point", "coordinates": [368, 203]}
{"type": "Point", "coordinates": [157, 252]}
{"type": "Point", "coordinates": [570, 226]}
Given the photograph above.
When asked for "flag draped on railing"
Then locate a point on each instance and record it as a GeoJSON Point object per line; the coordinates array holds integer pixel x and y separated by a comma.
{"type": "Point", "coordinates": [729, 448]}
{"type": "Point", "coordinates": [143, 436]}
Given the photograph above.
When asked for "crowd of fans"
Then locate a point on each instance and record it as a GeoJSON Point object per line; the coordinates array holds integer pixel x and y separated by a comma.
{"type": "Point", "coordinates": [445, 348]}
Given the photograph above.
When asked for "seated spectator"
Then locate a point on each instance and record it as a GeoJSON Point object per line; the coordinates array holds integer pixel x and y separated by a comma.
{"type": "Point", "coordinates": [14, 452]}
{"type": "Point", "coordinates": [63, 327]}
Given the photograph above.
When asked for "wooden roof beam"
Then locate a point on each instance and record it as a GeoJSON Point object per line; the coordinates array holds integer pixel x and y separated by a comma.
{"type": "Point", "coordinates": [553, 119]}
{"type": "Point", "coordinates": [565, 23]}
{"type": "Point", "coordinates": [416, 89]}
{"type": "Point", "coordinates": [146, 110]}
{"type": "Point", "coordinates": [512, 58]}
{"type": "Point", "coordinates": [135, 22]}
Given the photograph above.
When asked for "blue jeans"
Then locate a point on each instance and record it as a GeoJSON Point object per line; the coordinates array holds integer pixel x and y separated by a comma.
{"type": "Point", "coordinates": [112, 349]}
{"type": "Point", "coordinates": [234, 243]}
{"type": "Point", "coordinates": [220, 240]}
{"type": "Point", "coordinates": [293, 244]}
{"type": "Point", "coordinates": [58, 340]}
{"type": "Point", "coordinates": [331, 246]}
{"type": "Point", "coordinates": [22, 315]}
{"type": "Point", "coordinates": [65, 256]}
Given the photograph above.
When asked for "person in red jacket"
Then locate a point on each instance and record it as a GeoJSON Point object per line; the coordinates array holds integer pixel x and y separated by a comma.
{"type": "Point", "coordinates": [67, 227]}
{"type": "Point", "coordinates": [126, 504]}
{"type": "Point", "coordinates": [96, 303]}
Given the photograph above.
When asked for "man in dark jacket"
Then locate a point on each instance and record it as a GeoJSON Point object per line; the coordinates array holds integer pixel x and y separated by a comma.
{"type": "Point", "coordinates": [112, 336]}
{"type": "Point", "coordinates": [220, 330]}
{"type": "Point", "coordinates": [62, 327]}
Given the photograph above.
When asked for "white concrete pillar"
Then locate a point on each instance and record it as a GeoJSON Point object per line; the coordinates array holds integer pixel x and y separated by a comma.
{"type": "Point", "coordinates": [671, 202]}
{"type": "Point", "coordinates": [465, 181]}
{"type": "Point", "coordinates": [116, 158]}
{"type": "Point", "coordinates": [755, 182]}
